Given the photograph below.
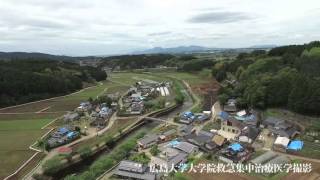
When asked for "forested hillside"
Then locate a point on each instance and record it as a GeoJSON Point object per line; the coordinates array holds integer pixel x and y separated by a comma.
{"type": "Point", "coordinates": [23, 81]}
{"type": "Point", "coordinates": [287, 76]}
{"type": "Point", "coordinates": [182, 62]}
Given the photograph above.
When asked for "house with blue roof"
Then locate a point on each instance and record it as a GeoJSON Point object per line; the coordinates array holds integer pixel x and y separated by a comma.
{"type": "Point", "coordinates": [236, 147]}
{"type": "Point", "coordinates": [187, 117]}
{"type": "Point", "coordinates": [295, 145]}
{"type": "Point", "coordinates": [235, 153]}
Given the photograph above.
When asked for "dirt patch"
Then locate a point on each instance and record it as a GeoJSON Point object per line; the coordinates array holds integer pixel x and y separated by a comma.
{"type": "Point", "coordinates": [208, 91]}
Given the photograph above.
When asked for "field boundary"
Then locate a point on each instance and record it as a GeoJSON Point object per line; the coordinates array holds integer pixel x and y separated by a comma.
{"type": "Point", "coordinates": [22, 166]}
{"type": "Point", "coordinates": [53, 98]}
{"type": "Point", "coordinates": [37, 151]}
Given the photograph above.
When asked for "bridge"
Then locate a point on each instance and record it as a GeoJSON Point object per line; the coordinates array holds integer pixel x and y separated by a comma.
{"type": "Point", "coordinates": [160, 120]}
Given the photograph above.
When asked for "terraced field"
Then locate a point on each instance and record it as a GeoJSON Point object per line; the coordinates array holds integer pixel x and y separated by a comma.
{"type": "Point", "coordinates": [17, 133]}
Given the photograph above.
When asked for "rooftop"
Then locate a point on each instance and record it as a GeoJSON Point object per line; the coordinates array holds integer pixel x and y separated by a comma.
{"type": "Point", "coordinates": [186, 147]}
{"type": "Point", "coordinates": [284, 141]}
{"type": "Point", "coordinates": [148, 138]}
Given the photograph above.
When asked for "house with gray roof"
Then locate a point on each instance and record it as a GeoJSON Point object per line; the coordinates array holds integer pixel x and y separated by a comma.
{"type": "Point", "coordinates": [280, 127]}
{"type": "Point", "coordinates": [248, 134]}
{"type": "Point", "coordinates": [187, 147]}
{"type": "Point", "coordinates": [199, 139]}
{"type": "Point", "coordinates": [133, 170]}
{"type": "Point", "coordinates": [168, 135]}
{"type": "Point", "coordinates": [186, 129]}
{"type": "Point", "coordinates": [71, 116]}
{"type": "Point", "coordinates": [230, 105]}
{"type": "Point", "coordinates": [148, 140]}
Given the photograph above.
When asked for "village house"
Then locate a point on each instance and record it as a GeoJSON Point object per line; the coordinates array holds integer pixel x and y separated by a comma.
{"type": "Point", "coordinates": [169, 157]}
{"type": "Point", "coordinates": [168, 135]}
{"type": "Point", "coordinates": [186, 130]}
{"type": "Point", "coordinates": [248, 134]}
{"type": "Point", "coordinates": [199, 139]}
{"type": "Point", "coordinates": [230, 106]}
{"type": "Point", "coordinates": [281, 143]}
{"type": "Point", "coordinates": [71, 116]}
{"type": "Point", "coordinates": [84, 106]}
{"type": "Point", "coordinates": [136, 108]}
{"type": "Point", "coordinates": [187, 117]}
{"type": "Point", "coordinates": [201, 117]}
{"type": "Point", "coordinates": [148, 140]}
{"type": "Point", "coordinates": [248, 117]}
{"type": "Point", "coordinates": [216, 143]}
{"type": "Point", "coordinates": [62, 136]}
{"type": "Point", "coordinates": [187, 147]}
{"type": "Point", "coordinates": [133, 170]}
{"type": "Point", "coordinates": [231, 128]}
{"type": "Point", "coordinates": [280, 127]}
{"type": "Point", "coordinates": [235, 153]}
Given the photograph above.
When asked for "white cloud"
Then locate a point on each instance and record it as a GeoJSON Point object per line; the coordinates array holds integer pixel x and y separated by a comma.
{"type": "Point", "coordinates": [82, 27]}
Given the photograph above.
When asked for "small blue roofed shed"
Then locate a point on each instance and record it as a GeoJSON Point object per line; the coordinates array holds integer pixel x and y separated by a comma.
{"type": "Point", "coordinates": [236, 147]}
{"type": "Point", "coordinates": [295, 145]}
{"type": "Point", "coordinates": [224, 115]}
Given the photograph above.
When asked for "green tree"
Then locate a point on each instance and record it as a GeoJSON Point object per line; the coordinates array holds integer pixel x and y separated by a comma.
{"type": "Point", "coordinates": [85, 152]}
{"type": "Point", "coordinates": [154, 150]}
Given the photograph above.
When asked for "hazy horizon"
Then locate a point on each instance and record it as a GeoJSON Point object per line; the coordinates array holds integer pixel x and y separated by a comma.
{"type": "Point", "coordinates": [79, 27]}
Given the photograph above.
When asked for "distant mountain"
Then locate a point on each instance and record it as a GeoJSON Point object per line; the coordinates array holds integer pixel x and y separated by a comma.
{"type": "Point", "coordinates": [173, 50]}
{"type": "Point", "coordinates": [35, 55]}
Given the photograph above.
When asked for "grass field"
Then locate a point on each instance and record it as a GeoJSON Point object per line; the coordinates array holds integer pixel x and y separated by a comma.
{"type": "Point", "coordinates": [16, 135]}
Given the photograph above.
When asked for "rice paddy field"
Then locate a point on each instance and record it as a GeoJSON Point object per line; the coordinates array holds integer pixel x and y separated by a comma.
{"type": "Point", "coordinates": [17, 133]}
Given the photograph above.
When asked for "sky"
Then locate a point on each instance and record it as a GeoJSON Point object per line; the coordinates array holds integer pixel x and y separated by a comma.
{"type": "Point", "coordinates": [102, 27]}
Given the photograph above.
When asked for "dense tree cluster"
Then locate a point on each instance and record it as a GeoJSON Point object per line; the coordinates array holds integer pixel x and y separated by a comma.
{"type": "Point", "coordinates": [28, 80]}
{"type": "Point", "coordinates": [287, 77]}
{"type": "Point", "coordinates": [197, 65]}
{"type": "Point", "coordinates": [183, 62]}
{"type": "Point", "coordinates": [136, 61]}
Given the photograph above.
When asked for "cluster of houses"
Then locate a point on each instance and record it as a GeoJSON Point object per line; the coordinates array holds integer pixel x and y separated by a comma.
{"type": "Point", "coordinates": [100, 116]}
{"type": "Point", "coordinates": [285, 133]}
{"type": "Point", "coordinates": [133, 102]}
{"type": "Point", "coordinates": [244, 126]}
{"type": "Point", "coordinates": [61, 136]}
{"type": "Point", "coordinates": [232, 143]}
